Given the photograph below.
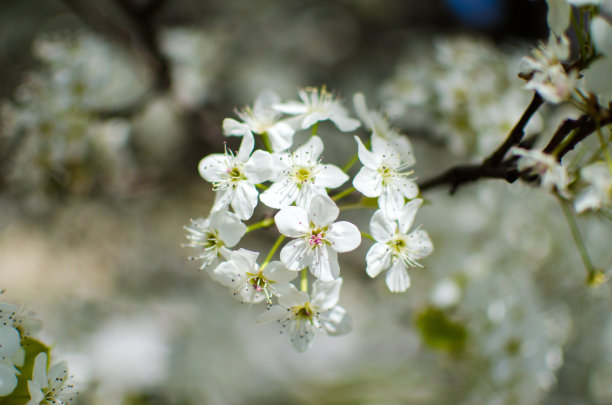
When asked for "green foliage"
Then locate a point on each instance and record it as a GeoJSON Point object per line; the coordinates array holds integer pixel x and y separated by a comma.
{"type": "Point", "coordinates": [439, 332]}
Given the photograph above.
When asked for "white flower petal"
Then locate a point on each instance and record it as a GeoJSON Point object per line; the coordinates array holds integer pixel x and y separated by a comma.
{"type": "Point", "coordinates": [280, 194]}
{"type": "Point", "coordinates": [558, 16]}
{"type": "Point", "coordinates": [212, 167]}
{"type": "Point", "coordinates": [397, 278]}
{"type": "Point", "coordinates": [381, 227]}
{"type": "Point", "coordinates": [39, 372]}
{"type": "Point", "coordinates": [378, 259]}
{"type": "Point", "coordinates": [273, 313]}
{"type": "Point", "coordinates": [343, 236]}
{"type": "Point", "coordinates": [601, 31]}
{"type": "Point", "coordinates": [407, 187]}
{"type": "Point", "coordinates": [361, 109]}
{"type": "Point", "coordinates": [292, 222]}
{"type": "Point", "coordinates": [278, 272]}
{"type": "Point", "coordinates": [291, 108]}
{"type": "Point", "coordinates": [391, 201]}
{"type": "Point", "coordinates": [245, 200]}
{"type": "Point", "coordinates": [368, 182]}
{"type": "Point", "coordinates": [230, 227]}
{"type": "Point", "coordinates": [345, 124]}
{"type": "Point", "coordinates": [302, 335]}
{"type": "Point", "coordinates": [420, 244]}
{"type": "Point", "coordinates": [293, 298]}
{"type": "Point", "coordinates": [296, 254]}
{"type": "Point", "coordinates": [10, 342]}
{"type": "Point", "coordinates": [325, 295]}
{"type": "Point", "coordinates": [259, 167]}
{"type": "Point", "coordinates": [231, 127]}
{"type": "Point", "coordinates": [324, 263]}
{"type": "Point", "coordinates": [310, 151]}
{"type": "Point", "coordinates": [322, 211]}
{"type": "Point", "coordinates": [281, 136]}
{"type": "Point", "coordinates": [8, 379]}
{"type": "Point", "coordinates": [246, 147]}
{"type": "Point", "coordinates": [366, 157]}
{"type": "Point", "coordinates": [337, 322]}
{"type": "Point", "coordinates": [330, 176]}
{"type": "Point", "coordinates": [407, 215]}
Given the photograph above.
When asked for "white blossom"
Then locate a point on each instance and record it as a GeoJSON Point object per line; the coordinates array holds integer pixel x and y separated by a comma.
{"type": "Point", "coordinates": [263, 119]}
{"type": "Point", "coordinates": [301, 315]}
{"type": "Point", "coordinates": [299, 176]}
{"type": "Point", "coordinates": [599, 191]}
{"type": "Point", "coordinates": [318, 239]}
{"type": "Point", "coordinates": [234, 176]}
{"type": "Point", "coordinates": [248, 281]}
{"type": "Point", "coordinates": [547, 74]}
{"type": "Point", "coordinates": [318, 106]}
{"type": "Point", "coordinates": [547, 167]}
{"type": "Point", "coordinates": [396, 249]}
{"type": "Point", "coordinates": [49, 387]}
{"type": "Point", "coordinates": [383, 175]}
{"type": "Point", "coordinates": [213, 236]}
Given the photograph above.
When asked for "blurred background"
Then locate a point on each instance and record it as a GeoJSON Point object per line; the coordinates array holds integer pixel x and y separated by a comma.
{"type": "Point", "coordinates": [107, 108]}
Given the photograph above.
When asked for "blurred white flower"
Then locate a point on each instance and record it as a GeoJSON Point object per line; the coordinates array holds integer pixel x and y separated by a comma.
{"type": "Point", "coordinates": [300, 315]}
{"type": "Point", "coordinates": [318, 106]}
{"type": "Point", "coordinates": [318, 238]}
{"type": "Point", "coordinates": [234, 176]}
{"type": "Point", "coordinates": [251, 283]}
{"type": "Point", "coordinates": [599, 192]}
{"type": "Point", "coordinates": [299, 176]}
{"type": "Point", "coordinates": [552, 174]}
{"type": "Point", "coordinates": [396, 249]}
{"type": "Point", "coordinates": [383, 175]}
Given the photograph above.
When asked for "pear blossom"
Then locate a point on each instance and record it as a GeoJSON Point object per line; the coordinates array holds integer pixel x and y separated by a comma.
{"type": "Point", "coordinates": [213, 236]}
{"type": "Point", "coordinates": [547, 167]}
{"type": "Point", "coordinates": [396, 249]}
{"type": "Point", "coordinates": [234, 176]}
{"type": "Point", "coordinates": [262, 119]}
{"type": "Point", "coordinates": [11, 354]}
{"type": "Point", "coordinates": [599, 192]}
{"type": "Point", "coordinates": [318, 106]}
{"type": "Point", "coordinates": [318, 239]}
{"type": "Point", "coordinates": [301, 315]}
{"type": "Point", "coordinates": [546, 72]}
{"type": "Point", "coordinates": [49, 387]}
{"type": "Point", "coordinates": [383, 175]}
{"type": "Point", "coordinates": [299, 176]}
{"type": "Point", "coordinates": [249, 282]}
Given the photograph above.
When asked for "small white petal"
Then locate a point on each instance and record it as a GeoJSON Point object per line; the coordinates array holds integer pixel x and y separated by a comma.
{"type": "Point", "coordinates": [8, 379]}
{"type": "Point", "coordinates": [337, 321]}
{"type": "Point", "coordinates": [378, 259]}
{"type": "Point", "coordinates": [324, 263]}
{"type": "Point", "coordinates": [368, 182]}
{"type": "Point", "coordinates": [212, 167]}
{"type": "Point", "coordinates": [296, 254]}
{"type": "Point", "coordinates": [278, 272]}
{"type": "Point", "coordinates": [420, 244]}
{"type": "Point", "coordinates": [273, 313]}
{"type": "Point", "coordinates": [391, 201]}
{"type": "Point", "coordinates": [302, 335]}
{"type": "Point", "coordinates": [322, 211]}
{"type": "Point", "coordinates": [345, 124]}
{"type": "Point", "coordinates": [311, 150]}
{"type": "Point", "coordinates": [280, 194]}
{"type": "Point", "coordinates": [366, 157]}
{"type": "Point", "coordinates": [230, 227]}
{"type": "Point", "coordinates": [231, 127]}
{"type": "Point", "coordinates": [246, 147]}
{"type": "Point", "coordinates": [292, 222]}
{"type": "Point", "coordinates": [407, 187]}
{"type": "Point", "coordinates": [259, 167]}
{"type": "Point", "coordinates": [381, 227]}
{"type": "Point", "coordinates": [343, 236]}
{"type": "Point", "coordinates": [397, 278]}
{"type": "Point", "coordinates": [558, 16]}
{"type": "Point", "coordinates": [244, 200]}
{"type": "Point", "coordinates": [407, 215]}
{"type": "Point", "coordinates": [330, 176]}
{"type": "Point", "coordinates": [281, 136]}
{"type": "Point", "coordinates": [39, 372]}
{"type": "Point", "coordinates": [325, 295]}
{"type": "Point", "coordinates": [291, 108]}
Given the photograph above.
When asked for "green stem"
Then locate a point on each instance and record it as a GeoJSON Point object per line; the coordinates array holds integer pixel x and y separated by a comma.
{"type": "Point", "coordinates": [350, 163]}
{"type": "Point", "coordinates": [304, 280]}
{"type": "Point", "coordinates": [343, 194]}
{"type": "Point", "coordinates": [266, 141]}
{"type": "Point", "coordinates": [367, 235]}
{"type": "Point", "coordinates": [354, 206]}
{"type": "Point", "coordinates": [578, 30]}
{"type": "Point", "coordinates": [278, 242]}
{"type": "Point", "coordinates": [314, 128]}
{"type": "Point", "coordinates": [264, 223]}
{"type": "Point", "coordinates": [584, 254]}
{"type": "Point", "coordinates": [261, 186]}
{"type": "Point", "coordinates": [604, 148]}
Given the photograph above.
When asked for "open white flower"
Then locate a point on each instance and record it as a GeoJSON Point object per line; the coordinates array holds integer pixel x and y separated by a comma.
{"type": "Point", "coordinates": [299, 176]}
{"type": "Point", "coordinates": [249, 282]}
{"type": "Point", "coordinates": [599, 192]}
{"type": "Point", "coordinates": [546, 166]}
{"type": "Point", "coordinates": [262, 118]}
{"type": "Point", "coordinates": [546, 72]}
{"type": "Point", "coordinates": [318, 106]}
{"type": "Point", "coordinates": [49, 388]}
{"type": "Point", "coordinates": [213, 235]}
{"type": "Point", "coordinates": [396, 249]}
{"type": "Point", "coordinates": [234, 176]}
{"type": "Point", "coordinates": [318, 238]}
{"type": "Point", "coordinates": [383, 176]}
{"type": "Point", "coordinates": [301, 316]}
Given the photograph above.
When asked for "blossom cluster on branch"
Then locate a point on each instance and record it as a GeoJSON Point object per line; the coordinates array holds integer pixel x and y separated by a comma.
{"type": "Point", "coordinates": [295, 181]}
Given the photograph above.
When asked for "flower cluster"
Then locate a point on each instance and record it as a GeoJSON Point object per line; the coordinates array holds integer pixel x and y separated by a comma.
{"type": "Point", "coordinates": [294, 180]}
{"type": "Point", "coordinates": [24, 366]}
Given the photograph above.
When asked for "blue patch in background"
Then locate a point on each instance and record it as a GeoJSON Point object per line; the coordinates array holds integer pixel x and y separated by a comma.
{"type": "Point", "coordinates": [478, 13]}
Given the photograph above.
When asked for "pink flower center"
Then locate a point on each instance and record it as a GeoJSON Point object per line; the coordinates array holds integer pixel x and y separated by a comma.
{"type": "Point", "coordinates": [316, 239]}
